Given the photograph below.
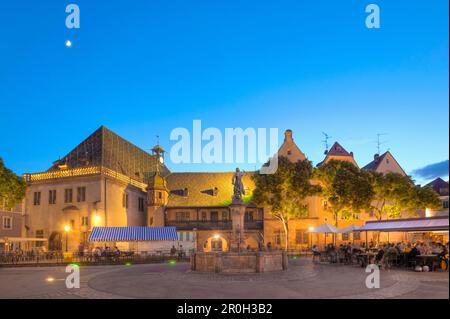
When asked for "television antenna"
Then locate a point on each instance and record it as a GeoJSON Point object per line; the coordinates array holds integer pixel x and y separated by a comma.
{"type": "Point", "coordinates": [379, 142]}
{"type": "Point", "coordinates": [325, 141]}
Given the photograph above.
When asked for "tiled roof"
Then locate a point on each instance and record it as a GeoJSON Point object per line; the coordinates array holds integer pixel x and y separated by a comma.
{"type": "Point", "coordinates": [372, 166]}
{"type": "Point", "coordinates": [440, 186]}
{"type": "Point", "coordinates": [106, 148]}
{"type": "Point", "coordinates": [205, 189]}
{"type": "Point", "coordinates": [337, 150]}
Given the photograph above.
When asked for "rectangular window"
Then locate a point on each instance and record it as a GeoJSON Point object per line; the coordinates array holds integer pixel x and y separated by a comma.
{"type": "Point", "coordinates": [40, 234]}
{"type": "Point", "coordinates": [301, 237]}
{"type": "Point", "coordinates": [68, 195]}
{"type": "Point", "coordinates": [204, 217]}
{"type": "Point", "coordinates": [277, 237]}
{"type": "Point", "coordinates": [81, 194]}
{"type": "Point", "coordinates": [344, 236]}
{"type": "Point", "coordinates": [72, 223]}
{"type": "Point", "coordinates": [214, 216]}
{"type": "Point", "coordinates": [224, 215]}
{"type": "Point", "coordinates": [141, 204]}
{"type": "Point", "coordinates": [180, 237]}
{"type": "Point", "coordinates": [357, 236]}
{"type": "Point", "coordinates": [37, 198]}
{"type": "Point", "coordinates": [85, 221]}
{"type": "Point", "coordinates": [125, 200]}
{"type": "Point", "coordinates": [182, 216]}
{"type": "Point", "coordinates": [248, 216]}
{"type": "Point", "coordinates": [7, 222]}
{"type": "Point", "coordinates": [52, 196]}
{"type": "Point", "coordinates": [445, 204]}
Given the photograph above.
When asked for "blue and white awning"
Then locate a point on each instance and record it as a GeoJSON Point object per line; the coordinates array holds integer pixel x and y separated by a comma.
{"type": "Point", "coordinates": [107, 234]}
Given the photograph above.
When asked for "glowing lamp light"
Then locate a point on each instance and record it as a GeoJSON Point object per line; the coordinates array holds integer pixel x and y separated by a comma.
{"type": "Point", "coordinates": [50, 279]}
{"type": "Point", "coordinates": [67, 228]}
{"type": "Point", "coordinates": [216, 236]}
{"type": "Point", "coordinates": [172, 262]}
{"type": "Point", "coordinates": [311, 228]}
{"type": "Point", "coordinates": [97, 219]}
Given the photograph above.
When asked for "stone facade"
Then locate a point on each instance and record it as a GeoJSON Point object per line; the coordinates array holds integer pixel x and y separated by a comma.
{"type": "Point", "coordinates": [91, 189]}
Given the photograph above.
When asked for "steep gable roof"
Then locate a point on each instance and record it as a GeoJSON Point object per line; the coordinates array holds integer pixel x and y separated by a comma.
{"type": "Point", "coordinates": [439, 186]}
{"type": "Point", "coordinates": [290, 149]}
{"type": "Point", "coordinates": [386, 157]}
{"type": "Point", "coordinates": [106, 148]}
{"type": "Point", "coordinates": [337, 152]}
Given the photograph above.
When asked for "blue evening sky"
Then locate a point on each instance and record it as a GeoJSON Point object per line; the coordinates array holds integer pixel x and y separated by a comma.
{"type": "Point", "coordinates": [143, 68]}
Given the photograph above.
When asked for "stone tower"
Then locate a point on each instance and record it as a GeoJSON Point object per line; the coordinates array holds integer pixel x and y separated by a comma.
{"type": "Point", "coordinates": [157, 192]}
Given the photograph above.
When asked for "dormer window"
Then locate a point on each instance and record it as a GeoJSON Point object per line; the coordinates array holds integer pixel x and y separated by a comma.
{"type": "Point", "coordinates": [289, 152]}
{"type": "Point", "coordinates": [185, 192]}
{"type": "Point", "coordinates": [215, 191]}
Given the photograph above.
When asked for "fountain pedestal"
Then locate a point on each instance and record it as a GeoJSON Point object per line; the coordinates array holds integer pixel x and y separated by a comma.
{"type": "Point", "coordinates": [237, 208]}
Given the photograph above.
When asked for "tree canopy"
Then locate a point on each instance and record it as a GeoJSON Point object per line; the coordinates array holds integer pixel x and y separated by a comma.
{"type": "Point", "coordinates": [346, 189]}
{"type": "Point", "coordinates": [12, 187]}
{"type": "Point", "coordinates": [284, 193]}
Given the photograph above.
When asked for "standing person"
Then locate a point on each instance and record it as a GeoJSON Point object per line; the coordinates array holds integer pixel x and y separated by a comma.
{"type": "Point", "coordinates": [316, 252]}
{"type": "Point", "coordinates": [81, 250]}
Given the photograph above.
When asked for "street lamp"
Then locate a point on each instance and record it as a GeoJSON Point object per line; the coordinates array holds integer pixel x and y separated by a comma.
{"type": "Point", "coordinates": [67, 230]}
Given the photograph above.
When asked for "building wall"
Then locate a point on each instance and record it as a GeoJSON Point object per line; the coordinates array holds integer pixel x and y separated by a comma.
{"type": "Point", "coordinates": [51, 218]}
{"type": "Point", "coordinates": [16, 219]}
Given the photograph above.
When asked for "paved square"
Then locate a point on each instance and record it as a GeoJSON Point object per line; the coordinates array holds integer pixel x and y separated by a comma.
{"type": "Point", "coordinates": [303, 280]}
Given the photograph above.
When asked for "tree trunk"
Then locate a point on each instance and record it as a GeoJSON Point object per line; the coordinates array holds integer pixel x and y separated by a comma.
{"type": "Point", "coordinates": [286, 234]}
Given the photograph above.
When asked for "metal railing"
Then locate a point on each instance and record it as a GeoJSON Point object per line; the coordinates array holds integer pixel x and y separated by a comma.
{"type": "Point", "coordinates": [200, 225]}
{"type": "Point", "coordinates": [58, 258]}
{"type": "Point", "coordinates": [253, 224]}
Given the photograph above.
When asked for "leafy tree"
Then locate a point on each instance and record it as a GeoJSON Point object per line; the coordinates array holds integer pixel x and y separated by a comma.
{"type": "Point", "coordinates": [346, 189]}
{"type": "Point", "coordinates": [12, 187]}
{"type": "Point", "coordinates": [395, 194]}
{"type": "Point", "coordinates": [424, 197]}
{"type": "Point", "coordinates": [285, 191]}
{"type": "Point", "coordinates": [392, 194]}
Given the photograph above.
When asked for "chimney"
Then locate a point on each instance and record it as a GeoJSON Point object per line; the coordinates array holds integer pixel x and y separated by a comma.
{"type": "Point", "coordinates": [288, 136]}
{"type": "Point", "coordinates": [351, 154]}
{"type": "Point", "coordinates": [376, 156]}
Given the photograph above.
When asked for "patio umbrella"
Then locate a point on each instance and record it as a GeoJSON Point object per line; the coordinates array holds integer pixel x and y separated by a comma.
{"type": "Point", "coordinates": [323, 229]}
{"type": "Point", "coordinates": [348, 229]}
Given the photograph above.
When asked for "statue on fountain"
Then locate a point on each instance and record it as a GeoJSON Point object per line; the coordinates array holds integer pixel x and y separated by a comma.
{"type": "Point", "coordinates": [238, 189]}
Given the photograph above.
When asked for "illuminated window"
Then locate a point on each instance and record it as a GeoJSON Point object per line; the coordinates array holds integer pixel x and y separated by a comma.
{"type": "Point", "coordinates": [357, 236]}
{"type": "Point", "coordinates": [344, 236]}
{"type": "Point", "coordinates": [85, 221]}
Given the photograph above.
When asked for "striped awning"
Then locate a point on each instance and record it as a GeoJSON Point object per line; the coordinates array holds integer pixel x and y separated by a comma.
{"type": "Point", "coordinates": [412, 224]}
{"type": "Point", "coordinates": [109, 234]}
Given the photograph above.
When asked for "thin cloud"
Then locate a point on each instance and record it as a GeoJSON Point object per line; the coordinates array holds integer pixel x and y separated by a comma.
{"type": "Point", "coordinates": [432, 171]}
